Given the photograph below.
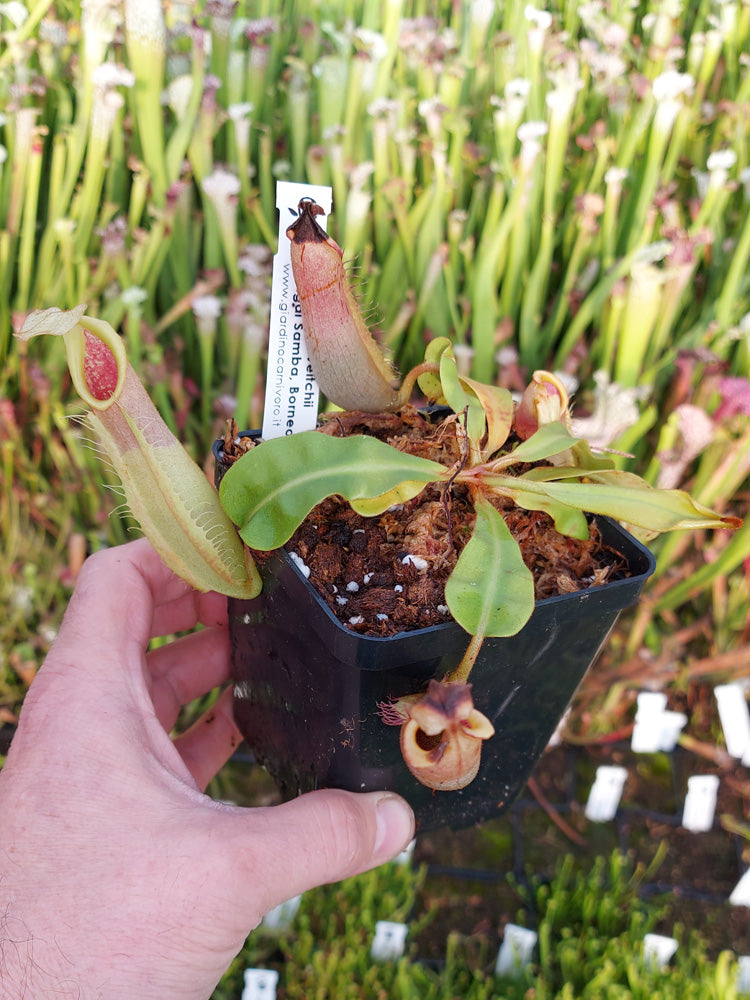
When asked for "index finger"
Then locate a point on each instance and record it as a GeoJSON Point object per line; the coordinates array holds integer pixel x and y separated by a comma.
{"type": "Point", "coordinates": [127, 594]}
{"type": "Point", "coordinates": [189, 610]}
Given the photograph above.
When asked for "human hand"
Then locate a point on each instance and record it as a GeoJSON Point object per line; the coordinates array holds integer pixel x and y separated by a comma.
{"type": "Point", "coordinates": [119, 878]}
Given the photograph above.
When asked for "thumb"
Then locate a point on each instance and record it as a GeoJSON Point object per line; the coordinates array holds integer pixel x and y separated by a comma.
{"type": "Point", "coordinates": [320, 837]}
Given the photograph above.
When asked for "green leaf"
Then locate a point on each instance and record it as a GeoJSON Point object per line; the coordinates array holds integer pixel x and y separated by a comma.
{"type": "Point", "coordinates": [623, 497]}
{"type": "Point", "coordinates": [568, 520]}
{"type": "Point", "coordinates": [459, 398]}
{"type": "Point", "coordinates": [552, 473]}
{"type": "Point", "coordinates": [491, 590]}
{"type": "Point", "coordinates": [549, 440]}
{"type": "Point", "coordinates": [497, 404]}
{"type": "Point", "coordinates": [429, 382]}
{"type": "Point", "coordinates": [271, 489]}
{"type": "Point", "coordinates": [585, 458]}
{"type": "Point", "coordinates": [490, 407]}
{"type": "Point", "coordinates": [372, 506]}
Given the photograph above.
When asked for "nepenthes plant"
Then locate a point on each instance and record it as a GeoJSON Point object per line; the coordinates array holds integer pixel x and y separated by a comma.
{"type": "Point", "coordinates": [523, 452]}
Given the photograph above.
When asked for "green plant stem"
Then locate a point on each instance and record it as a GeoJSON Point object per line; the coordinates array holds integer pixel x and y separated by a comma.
{"type": "Point", "coordinates": [725, 304]}
{"type": "Point", "coordinates": [590, 307]}
{"type": "Point", "coordinates": [247, 377]}
{"type": "Point", "coordinates": [35, 16]}
{"type": "Point", "coordinates": [28, 229]}
{"type": "Point", "coordinates": [534, 299]}
{"type": "Point", "coordinates": [145, 42]}
{"type": "Point", "coordinates": [461, 674]}
{"type": "Point", "coordinates": [179, 141]}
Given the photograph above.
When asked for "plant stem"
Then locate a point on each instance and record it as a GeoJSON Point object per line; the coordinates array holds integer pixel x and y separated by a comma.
{"type": "Point", "coordinates": [461, 674]}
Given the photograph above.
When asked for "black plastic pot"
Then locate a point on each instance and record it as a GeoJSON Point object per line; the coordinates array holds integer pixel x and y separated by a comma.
{"type": "Point", "coordinates": [307, 689]}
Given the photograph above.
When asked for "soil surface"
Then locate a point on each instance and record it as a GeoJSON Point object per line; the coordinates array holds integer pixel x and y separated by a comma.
{"type": "Point", "coordinates": [387, 574]}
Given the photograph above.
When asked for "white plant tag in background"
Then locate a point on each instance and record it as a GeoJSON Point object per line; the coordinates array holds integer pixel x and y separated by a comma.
{"type": "Point", "coordinates": [280, 917]}
{"type": "Point", "coordinates": [648, 722]}
{"type": "Point", "coordinates": [743, 974]}
{"type": "Point", "coordinates": [291, 403]}
{"type": "Point", "coordinates": [741, 892]}
{"type": "Point", "coordinates": [700, 803]}
{"type": "Point", "coordinates": [515, 951]}
{"type": "Point", "coordinates": [260, 984]}
{"type": "Point", "coordinates": [389, 941]}
{"type": "Point", "coordinates": [605, 794]}
{"type": "Point", "coordinates": [405, 856]}
{"type": "Point", "coordinates": [651, 703]}
{"type": "Point", "coordinates": [735, 718]}
{"type": "Point", "coordinates": [658, 950]}
{"type": "Point", "coordinates": [671, 725]}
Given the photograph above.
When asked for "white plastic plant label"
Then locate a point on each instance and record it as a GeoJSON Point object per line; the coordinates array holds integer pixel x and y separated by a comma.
{"type": "Point", "coordinates": [291, 403]}
{"type": "Point", "coordinates": [735, 718]}
{"type": "Point", "coordinates": [743, 974]}
{"type": "Point", "coordinates": [671, 725]}
{"type": "Point", "coordinates": [260, 984]}
{"type": "Point", "coordinates": [605, 794]}
{"type": "Point", "coordinates": [280, 917]}
{"type": "Point", "coordinates": [405, 856]}
{"type": "Point", "coordinates": [741, 893]}
{"type": "Point", "coordinates": [651, 703]}
{"type": "Point", "coordinates": [658, 950]}
{"type": "Point", "coordinates": [389, 941]}
{"type": "Point", "coordinates": [646, 736]}
{"type": "Point", "coordinates": [700, 803]}
{"type": "Point", "coordinates": [515, 951]}
{"type": "Point", "coordinates": [557, 737]}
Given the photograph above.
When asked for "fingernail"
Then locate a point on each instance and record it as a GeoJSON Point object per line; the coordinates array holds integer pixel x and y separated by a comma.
{"type": "Point", "coordinates": [394, 826]}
